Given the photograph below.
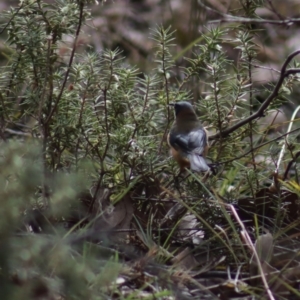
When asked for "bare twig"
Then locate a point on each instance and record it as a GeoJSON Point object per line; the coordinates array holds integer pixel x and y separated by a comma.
{"type": "Point", "coordinates": [81, 6]}
{"type": "Point", "coordinates": [279, 16]}
{"type": "Point", "coordinates": [291, 162]}
{"type": "Point", "coordinates": [15, 132]}
{"type": "Point", "coordinates": [253, 250]}
{"type": "Point", "coordinates": [257, 147]}
{"type": "Point", "coordinates": [164, 68]}
{"type": "Point", "coordinates": [8, 23]}
{"type": "Point", "coordinates": [287, 136]}
{"type": "Point", "coordinates": [260, 112]}
{"type": "Point", "coordinates": [231, 18]}
{"type": "Point", "coordinates": [47, 75]}
{"type": "Point", "coordinates": [265, 68]}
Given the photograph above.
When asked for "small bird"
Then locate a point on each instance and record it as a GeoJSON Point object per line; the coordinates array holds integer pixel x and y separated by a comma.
{"type": "Point", "coordinates": [188, 139]}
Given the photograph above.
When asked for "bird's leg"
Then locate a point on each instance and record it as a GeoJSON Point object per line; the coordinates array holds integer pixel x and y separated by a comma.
{"type": "Point", "coordinates": [176, 182]}
{"type": "Point", "coordinates": [213, 169]}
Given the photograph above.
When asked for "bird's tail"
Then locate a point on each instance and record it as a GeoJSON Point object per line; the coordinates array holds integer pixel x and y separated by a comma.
{"type": "Point", "coordinates": [198, 163]}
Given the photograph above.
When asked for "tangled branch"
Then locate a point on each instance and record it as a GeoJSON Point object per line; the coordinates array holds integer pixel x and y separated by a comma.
{"type": "Point", "coordinates": [260, 112]}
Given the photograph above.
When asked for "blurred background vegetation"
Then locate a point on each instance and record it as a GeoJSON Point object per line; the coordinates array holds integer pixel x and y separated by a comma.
{"type": "Point", "coordinates": [92, 205]}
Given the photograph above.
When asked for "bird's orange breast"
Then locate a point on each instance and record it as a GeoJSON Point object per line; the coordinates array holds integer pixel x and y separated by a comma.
{"type": "Point", "coordinates": [182, 161]}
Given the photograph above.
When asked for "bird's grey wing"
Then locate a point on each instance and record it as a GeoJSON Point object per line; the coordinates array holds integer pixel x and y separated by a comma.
{"type": "Point", "coordinates": [197, 141]}
{"type": "Point", "coordinates": [180, 141]}
{"type": "Point", "coordinates": [193, 145]}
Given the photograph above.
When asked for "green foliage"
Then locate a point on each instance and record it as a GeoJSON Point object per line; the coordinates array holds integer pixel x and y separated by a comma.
{"type": "Point", "coordinates": [90, 119]}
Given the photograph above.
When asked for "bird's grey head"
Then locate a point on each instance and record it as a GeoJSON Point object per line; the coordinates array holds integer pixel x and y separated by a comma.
{"type": "Point", "coordinates": [183, 107]}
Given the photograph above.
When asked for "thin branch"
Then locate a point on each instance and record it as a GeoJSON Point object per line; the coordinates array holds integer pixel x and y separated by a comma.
{"type": "Point", "coordinates": [279, 16]}
{"type": "Point", "coordinates": [253, 250]}
{"type": "Point", "coordinates": [287, 136]}
{"type": "Point", "coordinates": [257, 147]}
{"type": "Point", "coordinates": [166, 81]}
{"type": "Point", "coordinates": [291, 162]}
{"type": "Point", "coordinates": [260, 112]}
{"type": "Point", "coordinates": [13, 16]}
{"type": "Point", "coordinates": [15, 132]}
{"type": "Point", "coordinates": [42, 97]}
{"type": "Point", "coordinates": [250, 81]}
{"type": "Point", "coordinates": [265, 68]}
{"type": "Point", "coordinates": [230, 18]}
{"type": "Point", "coordinates": [69, 65]}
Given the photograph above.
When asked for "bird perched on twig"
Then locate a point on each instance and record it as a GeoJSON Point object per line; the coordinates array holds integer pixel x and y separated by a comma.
{"type": "Point", "coordinates": [188, 139]}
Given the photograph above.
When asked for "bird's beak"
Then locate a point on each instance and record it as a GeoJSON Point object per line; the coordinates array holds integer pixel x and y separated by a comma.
{"type": "Point", "coordinates": [172, 104]}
